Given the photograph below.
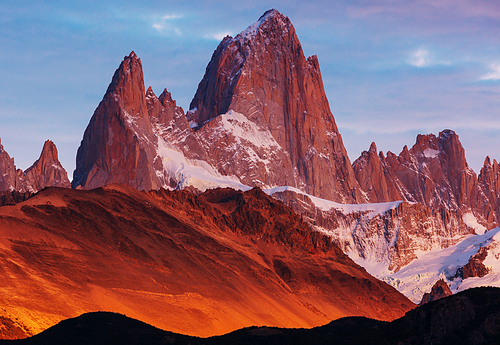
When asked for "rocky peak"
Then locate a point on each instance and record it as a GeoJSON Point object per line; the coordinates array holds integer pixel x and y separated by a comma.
{"type": "Point", "coordinates": [118, 144]}
{"type": "Point", "coordinates": [166, 98]}
{"type": "Point", "coordinates": [263, 75]}
{"type": "Point", "coordinates": [127, 85]}
{"type": "Point", "coordinates": [271, 23]}
{"type": "Point", "coordinates": [47, 171]}
{"type": "Point", "coordinates": [373, 177]}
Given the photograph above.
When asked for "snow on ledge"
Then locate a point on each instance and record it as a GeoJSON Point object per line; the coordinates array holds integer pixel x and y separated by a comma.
{"type": "Point", "coordinates": [326, 205]}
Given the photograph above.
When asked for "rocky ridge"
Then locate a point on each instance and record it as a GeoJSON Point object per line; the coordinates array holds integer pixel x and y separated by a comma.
{"type": "Point", "coordinates": [46, 171]}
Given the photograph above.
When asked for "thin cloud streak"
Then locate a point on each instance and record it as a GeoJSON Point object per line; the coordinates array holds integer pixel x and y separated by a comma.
{"type": "Point", "coordinates": [494, 74]}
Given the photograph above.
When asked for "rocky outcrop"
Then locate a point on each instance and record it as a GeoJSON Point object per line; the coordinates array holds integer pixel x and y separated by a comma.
{"type": "Point", "coordinates": [489, 180]}
{"type": "Point", "coordinates": [9, 178]}
{"type": "Point", "coordinates": [438, 291]}
{"type": "Point", "coordinates": [264, 115]}
{"type": "Point", "coordinates": [475, 267]}
{"type": "Point", "coordinates": [374, 177]}
{"type": "Point", "coordinates": [47, 171]}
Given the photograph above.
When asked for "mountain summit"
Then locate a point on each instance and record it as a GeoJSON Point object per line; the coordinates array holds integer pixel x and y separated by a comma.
{"type": "Point", "coordinates": [261, 80]}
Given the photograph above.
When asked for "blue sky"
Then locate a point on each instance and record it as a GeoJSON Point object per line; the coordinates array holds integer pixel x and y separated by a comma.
{"type": "Point", "coordinates": [391, 69]}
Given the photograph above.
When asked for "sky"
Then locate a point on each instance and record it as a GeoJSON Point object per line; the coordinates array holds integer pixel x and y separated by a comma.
{"type": "Point", "coordinates": [391, 69]}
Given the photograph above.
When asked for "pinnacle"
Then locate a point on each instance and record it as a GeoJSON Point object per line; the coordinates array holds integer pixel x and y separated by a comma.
{"type": "Point", "coordinates": [270, 14]}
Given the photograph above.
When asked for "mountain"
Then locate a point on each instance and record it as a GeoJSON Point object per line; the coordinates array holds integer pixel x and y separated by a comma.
{"type": "Point", "coordinates": [434, 173]}
{"type": "Point", "coordinates": [263, 116]}
{"type": "Point", "coordinates": [260, 117]}
{"type": "Point", "coordinates": [117, 145]}
{"type": "Point", "coordinates": [470, 317]}
{"type": "Point", "coordinates": [194, 264]}
{"type": "Point", "coordinates": [284, 134]}
{"type": "Point", "coordinates": [47, 171]}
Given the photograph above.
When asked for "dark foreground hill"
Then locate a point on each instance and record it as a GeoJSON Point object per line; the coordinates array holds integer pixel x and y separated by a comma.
{"type": "Point", "coordinates": [470, 317]}
{"type": "Point", "coordinates": [194, 264]}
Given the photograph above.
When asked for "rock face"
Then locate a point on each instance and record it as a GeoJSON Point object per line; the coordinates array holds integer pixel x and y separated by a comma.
{"type": "Point", "coordinates": [196, 264]}
{"type": "Point", "coordinates": [438, 291]}
{"type": "Point", "coordinates": [47, 171]}
{"type": "Point", "coordinates": [118, 144]}
{"type": "Point", "coordinates": [9, 179]}
{"type": "Point", "coordinates": [391, 237]}
{"type": "Point", "coordinates": [489, 180]}
{"type": "Point", "coordinates": [263, 111]}
{"type": "Point", "coordinates": [434, 173]}
{"type": "Point", "coordinates": [475, 267]}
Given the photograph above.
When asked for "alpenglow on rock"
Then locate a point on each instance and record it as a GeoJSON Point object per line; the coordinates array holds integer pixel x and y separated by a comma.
{"type": "Point", "coordinates": [262, 114]}
{"type": "Point", "coordinates": [47, 171]}
{"type": "Point", "coordinates": [260, 117]}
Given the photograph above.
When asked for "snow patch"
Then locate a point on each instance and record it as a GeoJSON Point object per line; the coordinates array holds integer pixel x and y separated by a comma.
{"type": "Point", "coordinates": [430, 153]}
{"type": "Point", "coordinates": [371, 210]}
{"type": "Point", "coordinates": [471, 221]}
{"type": "Point", "coordinates": [198, 174]}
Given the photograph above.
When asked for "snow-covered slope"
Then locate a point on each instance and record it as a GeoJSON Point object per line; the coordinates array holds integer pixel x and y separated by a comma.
{"type": "Point", "coordinates": [420, 275]}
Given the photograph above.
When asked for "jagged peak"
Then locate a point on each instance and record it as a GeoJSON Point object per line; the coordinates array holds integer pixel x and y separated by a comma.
{"type": "Point", "coordinates": [49, 149]}
{"type": "Point", "coordinates": [487, 162]}
{"type": "Point", "coordinates": [149, 92]}
{"type": "Point", "coordinates": [446, 134]}
{"type": "Point", "coordinates": [166, 97]}
{"type": "Point", "coordinates": [373, 148]}
{"type": "Point", "coordinates": [263, 25]}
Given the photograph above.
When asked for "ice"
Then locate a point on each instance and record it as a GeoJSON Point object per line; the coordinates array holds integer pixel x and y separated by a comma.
{"type": "Point", "coordinates": [418, 277]}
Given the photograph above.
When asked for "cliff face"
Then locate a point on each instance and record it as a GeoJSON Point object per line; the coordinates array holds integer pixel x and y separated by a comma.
{"type": "Point", "coordinates": [434, 173]}
{"type": "Point", "coordinates": [117, 145]}
{"type": "Point", "coordinates": [489, 180]}
{"type": "Point", "coordinates": [9, 179]}
{"type": "Point", "coordinates": [261, 104]}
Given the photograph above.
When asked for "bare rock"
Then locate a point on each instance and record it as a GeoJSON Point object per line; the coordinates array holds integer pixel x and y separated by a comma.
{"type": "Point", "coordinates": [439, 290]}
{"type": "Point", "coordinates": [261, 82]}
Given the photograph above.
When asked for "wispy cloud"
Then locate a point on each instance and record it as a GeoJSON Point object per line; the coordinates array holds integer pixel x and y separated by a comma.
{"type": "Point", "coordinates": [164, 24]}
{"type": "Point", "coordinates": [494, 74]}
{"type": "Point", "coordinates": [218, 36]}
{"type": "Point", "coordinates": [420, 58]}
{"type": "Point", "coordinates": [423, 57]}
